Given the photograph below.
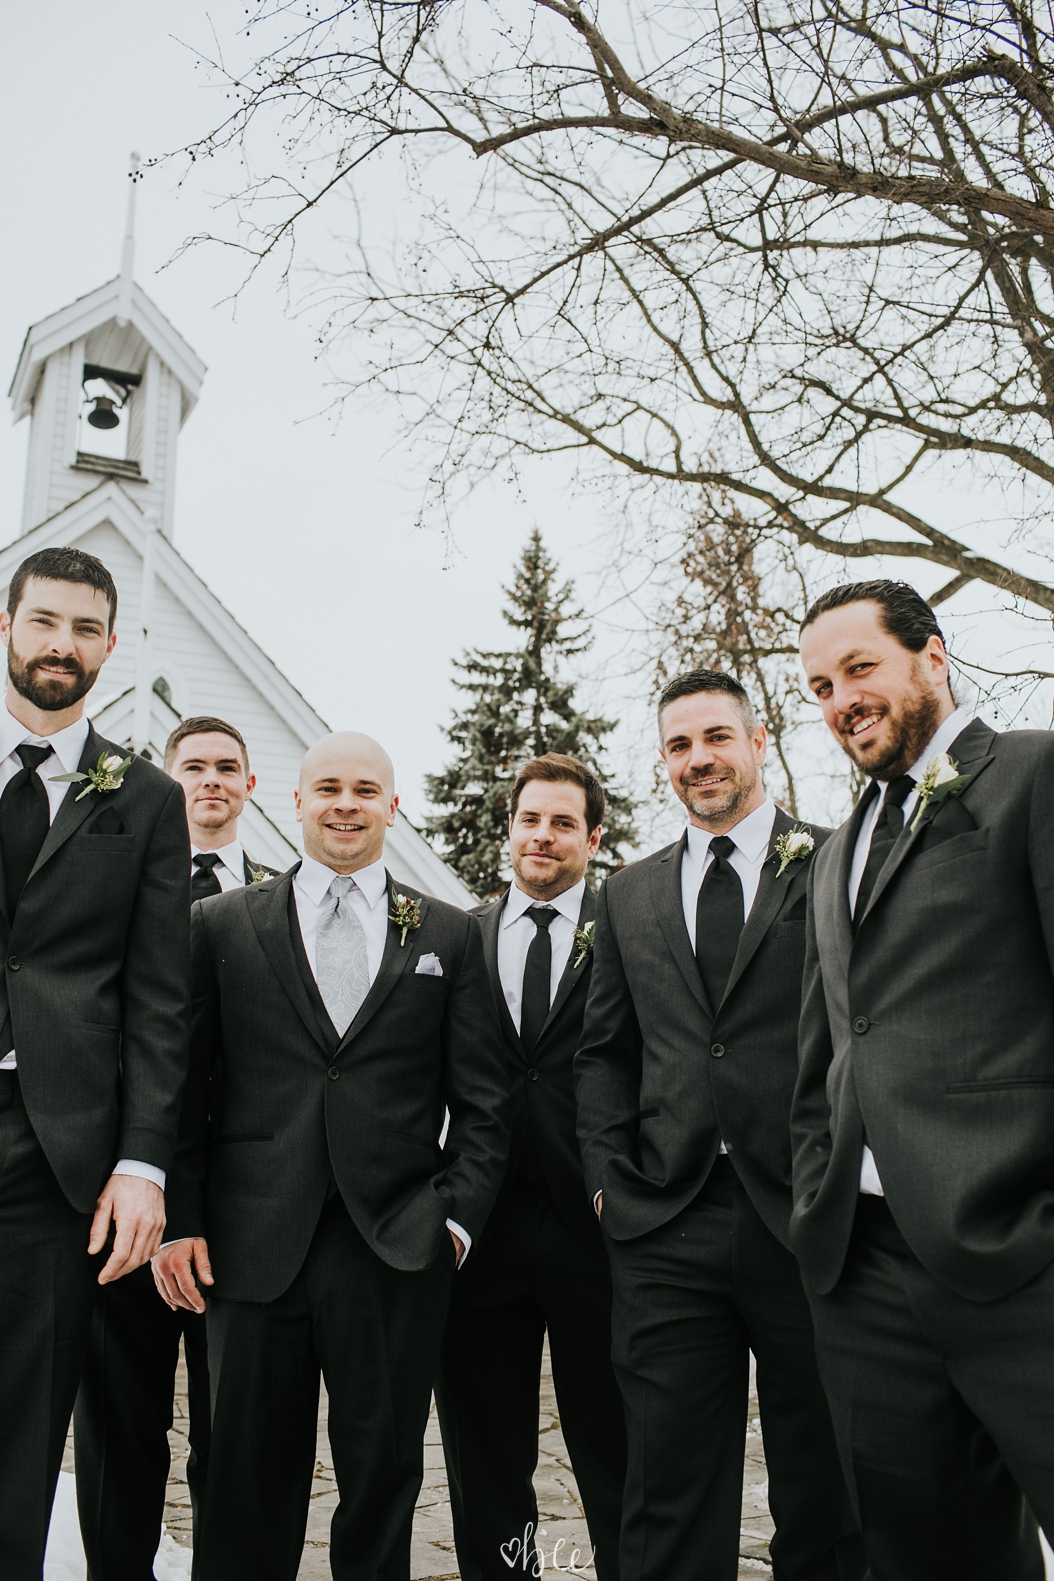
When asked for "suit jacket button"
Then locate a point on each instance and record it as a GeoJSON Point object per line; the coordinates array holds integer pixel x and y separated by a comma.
{"type": "Point", "coordinates": [14, 962]}
{"type": "Point", "coordinates": [717, 1050]}
{"type": "Point", "coordinates": [532, 1075]}
{"type": "Point", "coordinates": [860, 1024]}
{"type": "Point", "coordinates": [333, 1073]}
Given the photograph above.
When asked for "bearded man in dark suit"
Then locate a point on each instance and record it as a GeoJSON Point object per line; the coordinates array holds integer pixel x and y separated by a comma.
{"type": "Point", "coordinates": [337, 1016]}
{"type": "Point", "coordinates": [540, 1266]}
{"type": "Point", "coordinates": [124, 1406]}
{"type": "Point", "coordinates": [924, 1113]}
{"type": "Point", "coordinates": [684, 1080]}
{"type": "Point", "coordinates": [94, 1018]}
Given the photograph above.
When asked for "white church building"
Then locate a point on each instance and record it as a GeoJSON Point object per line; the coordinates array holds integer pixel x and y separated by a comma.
{"type": "Point", "coordinates": [111, 490]}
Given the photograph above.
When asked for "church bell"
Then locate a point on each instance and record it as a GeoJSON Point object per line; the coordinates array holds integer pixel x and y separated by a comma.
{"type": "Point", "coordinates": [103, 413]}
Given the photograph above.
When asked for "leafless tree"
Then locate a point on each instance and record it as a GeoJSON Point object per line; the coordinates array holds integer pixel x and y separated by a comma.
{"type": "Point", "coordinates": [800, 251]}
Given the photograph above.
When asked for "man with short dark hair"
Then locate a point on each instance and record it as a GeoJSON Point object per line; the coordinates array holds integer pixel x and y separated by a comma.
{"type": "Point", "coordinates": [684, 1079]}
{"type": "Point", "coordinates": [540, 1265]}
{"type": "Point", "coordinates": [924, 1111]}
{"type": "Point", "coordinates": [94, 1018]}
{"type": "Point", "coordinates": [125, 1402]}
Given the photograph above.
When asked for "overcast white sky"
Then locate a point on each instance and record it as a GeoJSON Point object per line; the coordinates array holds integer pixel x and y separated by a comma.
{"type": "Point", "coordinates": [305, 532]}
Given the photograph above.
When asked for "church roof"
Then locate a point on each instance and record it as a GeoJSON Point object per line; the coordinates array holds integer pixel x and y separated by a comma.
{"type": "Point", "coordinates": [109, 344]}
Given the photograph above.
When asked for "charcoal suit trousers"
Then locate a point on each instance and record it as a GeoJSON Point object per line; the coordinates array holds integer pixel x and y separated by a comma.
{"type": "Point", "coordinates": [531, 1276]}
{"type": "Point", "coordinates": [46, 1287]}
{"type": "Point", "coordinates": [121, 1422]}
{"type": "Point", "coordinates": [373, 1332]}
{"type": "Point", "coordinates": [944, 1412]}
{"type": "Point", "coordinates": [692, 1299]}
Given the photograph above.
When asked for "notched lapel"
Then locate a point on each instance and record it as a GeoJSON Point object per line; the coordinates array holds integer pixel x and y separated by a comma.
{"type": "Point", "coordinates": [490, 927]}
{"type": "Point", "coordinates": [269, 913]}
{"type": "Point", "coordinates": [72, 812]}
{"type": "Point", "coordinates": [571, 973]}
{"type": "Point", "coordinates": [967, 741]}
{"type": "Point", "coordinates": [666, 898]}
{"type": "Point", "coordinates": [394, 962]}
{"type": "Point", "coordinates": [771, 893]}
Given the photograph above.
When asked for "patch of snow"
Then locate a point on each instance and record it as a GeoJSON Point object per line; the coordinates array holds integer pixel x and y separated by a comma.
{"type": "Point", "coordinates": [65, 1556]}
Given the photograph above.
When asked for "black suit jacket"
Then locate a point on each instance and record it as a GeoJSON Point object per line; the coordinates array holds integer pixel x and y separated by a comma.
{"type": "Point", "coordinates": [96, 977]}
{"type": "Point", "coordinates": [662, 1076]}
{"type": "Point", "coordinates": [542, 1084]}
{"type": "Point", "coordinates": [278, 1105]}
{"type": "Point", "coordinates": [932, 1031]}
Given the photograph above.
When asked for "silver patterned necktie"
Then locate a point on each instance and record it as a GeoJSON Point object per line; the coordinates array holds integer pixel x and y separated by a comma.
{"type": "Point", "coordinates": [343, 969]}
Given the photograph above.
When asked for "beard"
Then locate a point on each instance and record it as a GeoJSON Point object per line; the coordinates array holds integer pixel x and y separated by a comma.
{"type": "Point", "coordinates": [725, 804]}
{"type": "Point", "coordinates": [912, 722]}
{"type": "Point", "coordinates": [49, 694]}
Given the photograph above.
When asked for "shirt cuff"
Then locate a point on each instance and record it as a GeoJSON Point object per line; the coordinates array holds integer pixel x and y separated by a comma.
{"type": "Point", "coordinates": [596, 1198]}
{"type": "Point", "coordinates": [463, 1236]}
{"type": "Point", "coordinates": [132, 1166]}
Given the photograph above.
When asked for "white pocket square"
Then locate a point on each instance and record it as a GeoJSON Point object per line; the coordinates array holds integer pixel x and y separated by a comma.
{"type": "Point", "coordinates": [429, 966]}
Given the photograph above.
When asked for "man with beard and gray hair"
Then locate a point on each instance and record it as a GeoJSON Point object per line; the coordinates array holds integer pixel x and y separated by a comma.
{"type": "Point", "coordinates": [684, 1078]}
{"type": "Point", "coordinates": [94, 1017]}
{"type": "Point", "coordinates": [923, 1121]}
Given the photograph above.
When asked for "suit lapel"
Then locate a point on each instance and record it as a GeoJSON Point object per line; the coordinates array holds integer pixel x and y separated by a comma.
{"type": "Point", "coordinates": [490, 926]}
{"type": "Point", "coordinates": [269, 911]}
{"type": "Point", "coordinates": [838, 867]}
{"type": "Point", "coordinates": [970, 751]}
{"type": "Point", "coordinates": [770, 896]}
{"type": "Point", "coordinates": [393, 964]}
{"type": "Point", "coordinates": [571, 973]}
{"type": "Point", "coordinates": [666, 898]}
{"type": "Point", "coordinates": [72, 812]}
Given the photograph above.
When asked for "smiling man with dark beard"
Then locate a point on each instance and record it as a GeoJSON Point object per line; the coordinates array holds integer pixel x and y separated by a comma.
{"type": "Point", "coordinates": [684, 1078]}
{"type": "Point", "coordinates": [924, 1112]}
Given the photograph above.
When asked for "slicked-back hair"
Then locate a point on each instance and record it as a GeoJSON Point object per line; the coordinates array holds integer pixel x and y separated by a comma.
{"type": "Point", "coordinates": [63, 565]}
{"type": "Point", "coordinates": [694, 681]}
{"type": "Point", "coordinates": [560, 768]}
{"type": "Point", "coordinates": [904, 613]}
{"type": "Point", "coordinates": [205, 724]}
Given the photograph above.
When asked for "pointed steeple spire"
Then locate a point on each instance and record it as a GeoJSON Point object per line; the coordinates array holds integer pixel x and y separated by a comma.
{"type": "Point", "coordinates": [124, 299]}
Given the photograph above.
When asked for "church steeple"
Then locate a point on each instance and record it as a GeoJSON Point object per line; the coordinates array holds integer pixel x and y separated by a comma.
{"type": "Point", "coordinates": [114, 344]}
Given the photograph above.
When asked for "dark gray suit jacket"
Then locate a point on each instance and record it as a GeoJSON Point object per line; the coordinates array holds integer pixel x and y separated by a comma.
{"type": "Point", "coordinates": [541, 1085]}
{"type": "Point", "coordinates": [662, 1076]}
{"type": "Point", "coordinates": [932, 1031]}
{"type": "Point", "coordinates": [96, 976]}
{"type": "Point", "coordinates": [278, 1105]}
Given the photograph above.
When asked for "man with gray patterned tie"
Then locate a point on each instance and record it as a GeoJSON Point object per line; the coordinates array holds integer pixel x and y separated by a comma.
{"type": "Point", "coordinates": [336, 1016]}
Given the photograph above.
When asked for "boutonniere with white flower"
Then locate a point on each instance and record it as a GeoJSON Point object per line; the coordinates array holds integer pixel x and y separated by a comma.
{"type": "Point", "coordinates": [794, 845]}
{"type": "Point", "coordinates": [941, 780]}
{"type": "Point", "coordinates": [584, 938]}
{"type": "Point", "coordinates": [258, 874]}
{"type": "Point", "coordinates": [105, 777]}
{"type": "Point", "coordinates": [406, 914]}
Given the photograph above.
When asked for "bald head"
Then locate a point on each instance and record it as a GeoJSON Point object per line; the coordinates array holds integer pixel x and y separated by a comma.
{"type": "Point", "coordinates": [346, 800]}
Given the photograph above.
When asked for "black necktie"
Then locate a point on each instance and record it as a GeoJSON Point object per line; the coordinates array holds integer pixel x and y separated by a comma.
{"type": "Point", "coordinates": [890, 824]}
{"type": "Point", "coordinates": [204, 882]}
{"type": "Point", "coordinates": [718, 920]}
{"type": "Point", "coordinates": [25, 818]}
{"type": "Point", "coordinates": [537, 977]}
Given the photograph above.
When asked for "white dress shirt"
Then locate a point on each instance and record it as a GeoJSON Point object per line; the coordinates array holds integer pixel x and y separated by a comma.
{"type": "Point", "coordinates": [67, 747]}
{"type": "Point", "coordinates": [369, 897]}
{"type": "Point", "coordinates": [517, 932]}
{"type": "Point", "coordinates": [230, 868]}
{"type": "Point", "coordinates": [751, 838]}
{"type": "Point", "coordinates": [870, 1181]}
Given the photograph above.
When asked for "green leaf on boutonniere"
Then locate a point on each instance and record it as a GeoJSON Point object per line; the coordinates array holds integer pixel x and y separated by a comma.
{"type": "Point", "coordinates": [941, 780]}
{"type": "Point", "coordinates": [793, 846]}
{"type": "Point", "coordinates": [406, 914]}
{"type": "Point", "coordinates": [105, 777]}
{"type": "Point", "coordinates": [584, 939]}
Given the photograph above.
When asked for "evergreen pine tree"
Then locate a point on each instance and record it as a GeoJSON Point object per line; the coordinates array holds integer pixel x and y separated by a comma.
{"type": "Point", "coordinates": [519, 706]}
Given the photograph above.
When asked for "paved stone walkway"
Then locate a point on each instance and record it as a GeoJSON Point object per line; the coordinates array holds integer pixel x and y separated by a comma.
{"type": "Point", "coordinates": [560, 1510]}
